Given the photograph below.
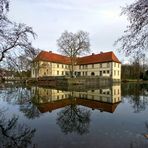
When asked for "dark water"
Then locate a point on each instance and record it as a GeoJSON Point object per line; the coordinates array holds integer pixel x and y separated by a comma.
{"type": "Point", "coordinates": [109, 117]}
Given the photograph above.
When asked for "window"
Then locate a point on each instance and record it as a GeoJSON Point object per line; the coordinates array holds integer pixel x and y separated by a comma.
{"type": "Point", "coordinates": [104, 71]}
{"type": "Point", "coordinates": [57, 65]}
{"type": "Point", "coordinates": [100, 91]}
{"type": "Point", "coordinates": [79, 95]}
{"type": "Point", "coordinates": [79, 66]}
{"type": "Point", "coordinates": [47, 71]}
{"type": "Point", "coordinates": [108, 99]}
{"type": "Point", "coordinates": [86, 73]}
{"type": "Point", "coordinates": [62, 66]}
{"type": "Point", "coordinates": [83, 73]}
{"type": "Point", "coordinates": [114, 72]}
{"type": "Point", "coordinates": [114, 64]}
{"type": "Point", "coordinates": [62, 72]}
{"type": "Point", "coordinates": [108, 65]}
{"type": "Point", "coordinates": [85, 66]}
{"type": "Point", "coordinates": [101, 65]}
{"type": "Point", "coordinates": [118, 73]}
{"type": "Point", "coordinates": [33, 71]}
{"type": "Point", "coordinates": [114, 92]}
{"type": "Point", "coordinates": [100, 73]}
{"type": "Point", "coordinates": [108, 71]}
{"type": "Point", "coordinates": [100, 98]}
{"type": "Point", "coordinates": [57, 72]}
{"type": "Point", "coordinates": [118, 65]}
{"type": "Point", "coordinates": [92, 73]}
{"type": "Point", "coordinates": [92, 65]}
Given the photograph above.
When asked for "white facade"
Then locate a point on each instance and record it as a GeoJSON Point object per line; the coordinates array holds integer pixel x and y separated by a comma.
{"type": "Point", "coordinates": [42, 68]}
{"type": "Point", "coordinates": [109, 69]}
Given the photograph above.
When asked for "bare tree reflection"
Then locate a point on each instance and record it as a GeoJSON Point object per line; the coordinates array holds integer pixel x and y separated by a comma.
{"type": "Point", "coordinates": [23, 95]}
{"type": "Point", "coordinates": [14, 135]}
{"type": "Point", "coordinates": [74, 119]}
{"type": "Point", "coordinates": [23, 99]}
{"type": "Point", "coordinates": [137, 95]}
{"type": "Point", "coordinates": [30, 110]}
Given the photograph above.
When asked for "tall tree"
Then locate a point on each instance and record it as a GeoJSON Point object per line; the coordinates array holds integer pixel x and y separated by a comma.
{"type": "Point", "coordinates": [21, 63]}
{"type": "Point", "coordinates": [12, 35]}
{"type": "Point", "coordinates": [135, 38]}
{"type": "Point", "coordinates": [73, 45]}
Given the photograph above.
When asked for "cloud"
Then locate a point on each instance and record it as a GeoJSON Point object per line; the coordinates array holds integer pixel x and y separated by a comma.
{"type": "Point", "coordinates": [49, 18]}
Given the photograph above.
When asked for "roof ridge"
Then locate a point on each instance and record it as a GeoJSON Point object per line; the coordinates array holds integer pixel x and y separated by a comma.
{"type": "Point", "coordinates": [50, 52]}
{"type": "Point", "coordinates": [93, 58]}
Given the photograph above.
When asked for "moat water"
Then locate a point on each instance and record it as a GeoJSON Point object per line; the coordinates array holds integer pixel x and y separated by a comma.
{"type": "Point", "coordinates": [114, 116]}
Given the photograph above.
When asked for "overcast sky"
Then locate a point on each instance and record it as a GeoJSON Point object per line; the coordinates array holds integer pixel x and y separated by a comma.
{"type": "Point", "coordinates": [50, 18]}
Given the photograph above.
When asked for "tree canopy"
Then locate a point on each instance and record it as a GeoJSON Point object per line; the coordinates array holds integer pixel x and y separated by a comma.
{"type": "Point", "coordinates": [73, 45]}
{"type": "Point", "coordinates": [135, 38]}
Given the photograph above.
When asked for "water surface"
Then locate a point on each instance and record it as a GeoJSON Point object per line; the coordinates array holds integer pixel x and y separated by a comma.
{"type": "Point", "coordinates": [109, 117]}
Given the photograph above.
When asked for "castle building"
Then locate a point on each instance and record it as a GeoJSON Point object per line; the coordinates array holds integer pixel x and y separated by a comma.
{"type": "Point", "coordinates": [51, 64]}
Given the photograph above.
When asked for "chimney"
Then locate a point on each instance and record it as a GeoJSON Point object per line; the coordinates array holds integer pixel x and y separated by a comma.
{"type": "Point", "coordinates": [92, 54]}
{"type": "Point", "coordinates": [50, 51]}
{"type": "Point", "coordinates": [101, 52]}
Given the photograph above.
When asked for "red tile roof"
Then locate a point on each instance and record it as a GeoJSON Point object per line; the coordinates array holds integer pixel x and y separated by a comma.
{"type": "Point", "coordinates": [52, 57]}
{"type": "Point", "coordinates": [50, 106]}
{"type": "Point", "coordinates": [98, 58]}
{"type": "Point", "coordinates": [91, 59]}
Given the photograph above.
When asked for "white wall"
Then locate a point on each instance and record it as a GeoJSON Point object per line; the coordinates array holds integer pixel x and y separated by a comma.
{"type": "Point", "coordinates": [109, 69]}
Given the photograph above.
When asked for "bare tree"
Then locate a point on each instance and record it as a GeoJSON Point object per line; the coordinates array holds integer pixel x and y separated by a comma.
{"type": "Point", "coordinates": [135, 38]}
{"type": "Point", "coordinates": [12, 35]}
{"type": "Point", "coordinates": [73, 45]}
{"type": "Point", "coordinates": [4, 8]}
{"type": "Point", "coordinates": [28, 57]}
{"type": "Point", "coordinates": [21, 63]}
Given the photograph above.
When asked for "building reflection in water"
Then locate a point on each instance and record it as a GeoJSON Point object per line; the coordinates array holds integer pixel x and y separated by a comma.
{"type": "Point", "coordinates": [103, 99]}
{"type": "Point", "coordinates": [74, 117]}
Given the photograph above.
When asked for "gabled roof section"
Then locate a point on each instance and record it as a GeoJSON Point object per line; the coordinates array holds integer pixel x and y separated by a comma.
{"type": "Point", "coordinates": [52, 57]}
{"type": "Point", "coordinates": [50, 106]}
{"type": "Point", "coordinates": [98, 58]}
{"type": "Point", "coordinates": [91, 59]}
